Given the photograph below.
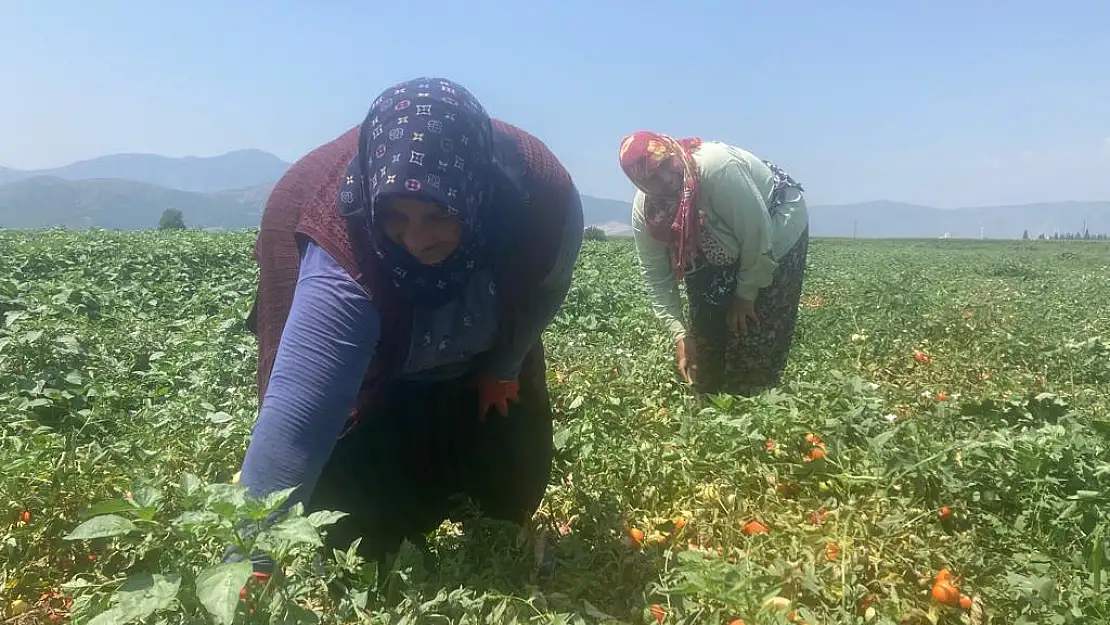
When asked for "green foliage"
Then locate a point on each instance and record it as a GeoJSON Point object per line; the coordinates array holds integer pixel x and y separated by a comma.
{"type": "Point", "coordinates": [967, 375]}
{"type": "Point", "coordinates": [172, 219]}
{"type": "Point", "coordinates": [593, 233]}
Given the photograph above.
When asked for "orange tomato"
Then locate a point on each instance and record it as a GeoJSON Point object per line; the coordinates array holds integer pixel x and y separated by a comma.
{"type": "Point", "coordinates": [817, 454]}
{"type": "Point", "coordinates": [832, 550]}
{"type": "Point", "coordinates": [25, 516]}
{"type": "Point", "coordinates": [945, 512]}
{"type": "Point", "coordinates": [755, 527]}
{"type": "Point", "coordinates": [944, 592]}
{"type": "Point", "coordinates": [679, 523]}
{"type": "Point", "coordinates": [637, 536]}
{"type": "Point", "coordinates": [658, 612]}
{"type": "Point", "coordinates": [737, 621]}
{"type": "Point", "coordinates": [965, 602]}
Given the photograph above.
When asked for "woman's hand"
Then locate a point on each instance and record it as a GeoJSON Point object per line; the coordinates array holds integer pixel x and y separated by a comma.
{"type": "Point", "coordinates": [686, 354]}
{"type": "Point", "coordinates": [741, 317]}
{"type": "Point", "coordinates": [496, 394]}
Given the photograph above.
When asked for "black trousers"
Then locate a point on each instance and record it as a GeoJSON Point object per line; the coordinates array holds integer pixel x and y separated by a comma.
{"type": "Point", "coordinates": [403, 471]}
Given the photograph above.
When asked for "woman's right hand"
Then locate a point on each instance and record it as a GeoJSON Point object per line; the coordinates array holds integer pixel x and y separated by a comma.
{"type": "Point", "coordinates": [686, 355]}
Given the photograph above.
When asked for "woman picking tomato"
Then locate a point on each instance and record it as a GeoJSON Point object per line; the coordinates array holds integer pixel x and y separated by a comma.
{"type": "Point", "coordinates": [735, 230]}
{"type": "Point", "coordinates": [407, 271]}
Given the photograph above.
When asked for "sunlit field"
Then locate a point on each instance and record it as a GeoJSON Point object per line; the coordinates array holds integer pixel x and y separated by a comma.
{"type": "Point", "coordinates": [937, 454]}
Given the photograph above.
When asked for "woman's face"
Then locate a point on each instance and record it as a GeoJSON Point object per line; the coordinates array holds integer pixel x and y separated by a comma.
{"type": "Point", "coordinates": [664, 181]}
{"type": "Point", "coordinates": [425, 230]}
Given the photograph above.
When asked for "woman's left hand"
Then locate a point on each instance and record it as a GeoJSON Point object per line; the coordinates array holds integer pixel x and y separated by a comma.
{"type": "Point", "coordinates": [741, 316]}
{"type": "Point", "coordinates": [496, 394]}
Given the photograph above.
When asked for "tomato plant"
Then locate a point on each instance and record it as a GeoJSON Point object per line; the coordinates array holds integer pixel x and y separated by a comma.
{"type": "Point", "coordinates": [944, 409]}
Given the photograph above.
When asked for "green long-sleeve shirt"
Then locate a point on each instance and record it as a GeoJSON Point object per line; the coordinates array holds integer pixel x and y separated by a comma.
{"type": "Point", "coordinates": [734, 191]}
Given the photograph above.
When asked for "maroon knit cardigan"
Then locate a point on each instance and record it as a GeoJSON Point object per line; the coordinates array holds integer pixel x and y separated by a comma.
{"type": "Point", "coordinates": [304, 204]}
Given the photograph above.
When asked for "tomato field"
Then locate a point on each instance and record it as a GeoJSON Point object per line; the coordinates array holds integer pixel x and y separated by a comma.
{"type": "Point", "coordinates": [957, 394]}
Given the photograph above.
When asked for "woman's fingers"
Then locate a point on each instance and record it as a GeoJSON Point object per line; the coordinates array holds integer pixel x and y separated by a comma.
{"type": "Point", "coordinates": [739, 323]}
{"type": "Point", "coordinates": [687, 361]}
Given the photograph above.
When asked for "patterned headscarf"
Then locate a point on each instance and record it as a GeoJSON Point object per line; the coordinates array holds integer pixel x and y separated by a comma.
{"type": "Point", "coordinates": [426, 138]}
{"type": "Point", "coordinates": [675, 222]}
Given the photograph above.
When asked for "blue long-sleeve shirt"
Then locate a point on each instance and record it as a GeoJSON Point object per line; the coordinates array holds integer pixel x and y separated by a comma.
{"type": "Point", "coordinates": [329, 341]}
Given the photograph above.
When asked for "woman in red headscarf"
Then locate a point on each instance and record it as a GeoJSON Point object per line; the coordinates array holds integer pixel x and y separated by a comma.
{"type": "Point", "coordinates": [735, 229]}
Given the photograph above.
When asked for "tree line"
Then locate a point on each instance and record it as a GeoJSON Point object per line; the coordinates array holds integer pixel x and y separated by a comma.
{"type": "Point", "coordinates": [1069, 236]}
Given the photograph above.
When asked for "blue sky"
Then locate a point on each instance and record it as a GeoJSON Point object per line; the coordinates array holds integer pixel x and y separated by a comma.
{"type": "Point", "coordinates": [946, 103]}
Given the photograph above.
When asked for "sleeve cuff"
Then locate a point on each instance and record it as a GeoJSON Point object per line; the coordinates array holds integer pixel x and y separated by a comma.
{"type": "Point", "coordinates": [747, 291]}
{"type": "Point", "coordinates": [503, 369]}
{"type": "Point", "coordinates": [676, 329]}
{"type": "Point", "coordinates": [760, 276]}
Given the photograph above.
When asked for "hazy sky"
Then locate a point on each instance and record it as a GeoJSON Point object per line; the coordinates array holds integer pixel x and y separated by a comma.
{"type": "Point", "coordinates": [942, 102]}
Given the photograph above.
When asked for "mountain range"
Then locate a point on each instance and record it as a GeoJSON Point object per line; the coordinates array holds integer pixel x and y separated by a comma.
{"type": "Point", "coordinates": [130, 192]}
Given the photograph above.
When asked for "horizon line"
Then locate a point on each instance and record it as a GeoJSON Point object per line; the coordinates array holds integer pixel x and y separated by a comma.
{"type": "Point", "coordinates": [598, 197]}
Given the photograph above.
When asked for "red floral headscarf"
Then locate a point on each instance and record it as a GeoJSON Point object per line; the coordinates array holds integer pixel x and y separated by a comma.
{"type": "Point", "coordinates": [676, 224]}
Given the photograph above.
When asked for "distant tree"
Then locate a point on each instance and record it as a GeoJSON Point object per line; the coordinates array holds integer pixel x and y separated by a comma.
{"type": "Point", "coordinates": [1040, 237]}
{"type": "Point", "coordinates": [172, 219]}
{"type": "Point", "coordinates": [593, 233]}
{"type": "Point", "coordinates": [1025, 236]}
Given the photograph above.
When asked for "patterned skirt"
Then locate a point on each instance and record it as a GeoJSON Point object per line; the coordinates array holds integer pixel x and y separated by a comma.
{"type": "Point", "coordinates": [727, 363]}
